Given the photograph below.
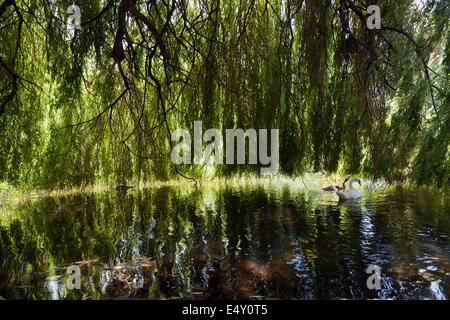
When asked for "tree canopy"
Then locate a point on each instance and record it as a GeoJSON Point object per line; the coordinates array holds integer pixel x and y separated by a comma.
{"type": "Point", "coordinates": [99, 103]}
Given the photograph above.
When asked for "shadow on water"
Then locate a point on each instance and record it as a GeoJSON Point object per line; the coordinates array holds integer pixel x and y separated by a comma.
{"type": "Point", "coordinates": [252, 241]}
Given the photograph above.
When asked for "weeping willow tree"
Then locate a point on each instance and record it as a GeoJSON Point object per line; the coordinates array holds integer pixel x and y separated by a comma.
{"type": "Point", "coordinates": [99, 103]}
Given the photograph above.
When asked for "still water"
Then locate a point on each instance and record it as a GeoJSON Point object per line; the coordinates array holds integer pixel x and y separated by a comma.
{"type": "Point", "coordinates": [268, 240]}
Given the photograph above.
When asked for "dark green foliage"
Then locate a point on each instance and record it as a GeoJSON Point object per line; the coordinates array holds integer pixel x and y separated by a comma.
{"type": "Point", "coordinates": [100, 105]}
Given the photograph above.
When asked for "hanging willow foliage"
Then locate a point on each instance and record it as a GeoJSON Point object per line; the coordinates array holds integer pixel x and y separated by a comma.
{"type": "Point", "coordinates": [99, 104]}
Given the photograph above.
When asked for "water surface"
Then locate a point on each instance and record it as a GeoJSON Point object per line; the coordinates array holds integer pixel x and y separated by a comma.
{"type": "Point", "coordinates": [265, 240]}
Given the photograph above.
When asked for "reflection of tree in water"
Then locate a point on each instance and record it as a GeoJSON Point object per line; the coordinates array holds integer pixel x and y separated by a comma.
{"type": "Point", "coordinates": [237, 242]}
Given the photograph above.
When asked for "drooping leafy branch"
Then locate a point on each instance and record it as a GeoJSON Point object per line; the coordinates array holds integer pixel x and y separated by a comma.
{"type": "Point", "coordinates": [101, 103]}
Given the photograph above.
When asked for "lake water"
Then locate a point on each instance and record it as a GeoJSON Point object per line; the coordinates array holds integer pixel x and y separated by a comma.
{"type": "Point", "coordinates": [267, 240]}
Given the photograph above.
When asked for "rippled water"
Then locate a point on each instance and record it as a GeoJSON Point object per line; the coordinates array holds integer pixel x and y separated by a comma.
{"type": "Point", "coordinates": [242, 240]}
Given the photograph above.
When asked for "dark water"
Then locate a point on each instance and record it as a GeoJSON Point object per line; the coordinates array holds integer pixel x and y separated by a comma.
{"type": "Point", "coordinates": [256, 241]}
